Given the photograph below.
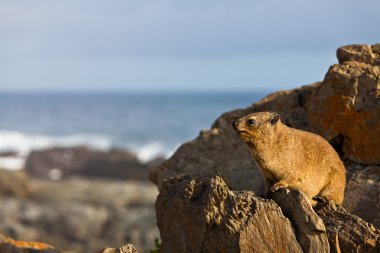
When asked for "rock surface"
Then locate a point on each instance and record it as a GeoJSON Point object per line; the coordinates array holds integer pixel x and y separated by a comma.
{"type": "Point", "coordinates": [57, 163]}
{"type": "Point", "coordinates": [346, 109]}
{"type": "Point", "coordinates": [347, 232]}
{"type": "Point", "coordinates": [360, 53]}
{"type": "Point", "coordinates": [8, 245]}
{"type": "Point", "coordinates": [309, 228]}
{"type": "Point", "coordinates": [201, 214]}
{"type": "Point", "coordinates": [129, 248]}
{"type": "Point", "coordinates": [362, 195]}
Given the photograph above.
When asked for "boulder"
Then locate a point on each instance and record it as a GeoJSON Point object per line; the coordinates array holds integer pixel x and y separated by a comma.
{"type": "Point", "coordinates": [202, 214]}
{"type": "Point", "coordinates": [56, 163]}
{"type": "Point", "coordinates": [359, 53]}
{"type": "Point", "coordinates": [8, 245]}
{"type": "Point", "coordinates": [346, 110]}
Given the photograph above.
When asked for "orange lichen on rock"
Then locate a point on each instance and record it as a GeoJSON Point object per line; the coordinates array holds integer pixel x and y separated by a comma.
{"type": "Point", "coordinates": [25, 245]}
{"type": "Point", "coordinates": [347, 105]}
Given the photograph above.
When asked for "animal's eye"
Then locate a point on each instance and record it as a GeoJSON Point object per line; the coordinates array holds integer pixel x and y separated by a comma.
{"type": "Point", "coordinates": [251, 122]}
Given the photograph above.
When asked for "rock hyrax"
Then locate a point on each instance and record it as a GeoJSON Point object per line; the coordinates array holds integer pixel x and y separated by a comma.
{"type": "Point", "coordinates": [292, 158]}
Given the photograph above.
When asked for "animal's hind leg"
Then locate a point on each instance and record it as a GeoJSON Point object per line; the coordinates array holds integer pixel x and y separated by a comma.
{"type": "Point", "coordinates": [334, 190]}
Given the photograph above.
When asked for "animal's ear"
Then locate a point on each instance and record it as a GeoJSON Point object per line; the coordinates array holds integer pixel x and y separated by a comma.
{"type": "Point", "coordinates": [274, 118]}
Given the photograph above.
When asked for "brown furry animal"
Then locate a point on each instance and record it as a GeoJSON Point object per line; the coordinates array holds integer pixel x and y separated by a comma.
{"type": "Point", "coordinates": [293, 158]}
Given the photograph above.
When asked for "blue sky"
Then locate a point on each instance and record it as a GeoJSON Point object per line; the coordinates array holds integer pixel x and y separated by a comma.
{"type": "Point", "coordinates": [167, 45]}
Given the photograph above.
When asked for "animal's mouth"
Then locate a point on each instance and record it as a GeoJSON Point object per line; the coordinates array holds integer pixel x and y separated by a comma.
{"type": "Point", "coordinates": [241, 132]}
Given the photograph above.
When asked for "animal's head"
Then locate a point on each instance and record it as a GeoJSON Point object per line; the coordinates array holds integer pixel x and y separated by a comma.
{"type": "Point", "coordinates": [256, 126]}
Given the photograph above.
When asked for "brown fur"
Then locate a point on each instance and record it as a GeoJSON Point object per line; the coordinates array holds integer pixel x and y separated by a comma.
{"type": "Point", "coordinates": [292, 158]}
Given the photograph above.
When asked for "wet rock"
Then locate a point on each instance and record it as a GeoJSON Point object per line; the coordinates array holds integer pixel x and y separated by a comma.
{"type": "Point", "coordinates": [57, 163]}
{"type": "Point", "coordinates": [201, 214]}
{"type": "Point", "coordinates": [8, 245]}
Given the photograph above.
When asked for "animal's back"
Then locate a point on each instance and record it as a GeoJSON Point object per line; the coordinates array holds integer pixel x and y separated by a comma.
{"type": "Point", "coordinates": [325, 172]}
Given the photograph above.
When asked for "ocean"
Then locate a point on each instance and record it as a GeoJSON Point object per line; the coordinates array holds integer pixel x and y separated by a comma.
{"type": "Point", "coordinates": [149, 125]}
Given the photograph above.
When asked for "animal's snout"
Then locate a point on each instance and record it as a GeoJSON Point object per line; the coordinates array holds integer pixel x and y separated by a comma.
{"type": "Point", "coordinates": [235, 124]}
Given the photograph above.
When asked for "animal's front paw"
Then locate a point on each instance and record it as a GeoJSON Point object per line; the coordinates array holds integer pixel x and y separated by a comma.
{"type": "Point", "coordinates": [277, 186]}
{"type": "Point", "coordinates": [320, 199]}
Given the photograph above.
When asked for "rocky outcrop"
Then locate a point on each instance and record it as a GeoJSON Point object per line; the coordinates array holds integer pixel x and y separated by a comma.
{"type": "Point", "coordinates": [8, 245]}
{"type": "Point", "coordinates": [201, 214]}
{"type": "Point", "coordinates": [344, 108]}
{"type": "Point", "coordinates": [57, 163]}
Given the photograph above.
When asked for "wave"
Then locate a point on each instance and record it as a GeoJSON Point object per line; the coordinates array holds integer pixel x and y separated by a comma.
{"type": "Point", "coordinates": [152, 150]}
{"type": "Point", "coordinates": [22, 144]}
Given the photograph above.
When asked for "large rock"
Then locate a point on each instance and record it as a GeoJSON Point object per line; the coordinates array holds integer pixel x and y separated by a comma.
{"type": "Point", "coordinates": [360, 53]}
{"type": "Point", "coordinates": [56, 163]}
{"type": "Point", "coordinates": [201, 214]}
{"type": "Point", "coordinates": [346, 108]}
{"type": "Point", "coordinates": [8, 245]}
{"type": "Point", "coordinates": [309, 227]}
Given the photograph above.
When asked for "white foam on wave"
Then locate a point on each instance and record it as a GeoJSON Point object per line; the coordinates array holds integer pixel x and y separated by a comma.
{"type": "Point", "coordinates": [22, 143]}
{"type": "Point", "coordinates": [152, 150]}
{"type": "Point", "coordinates": [12, 162]}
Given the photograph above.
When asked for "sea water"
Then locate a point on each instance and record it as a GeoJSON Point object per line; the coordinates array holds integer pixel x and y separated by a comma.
{"type": "Point", "coordinates": [148, 124]}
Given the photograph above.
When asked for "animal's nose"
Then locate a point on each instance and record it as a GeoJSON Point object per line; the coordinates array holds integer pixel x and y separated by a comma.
{"type": "Point", "coordinates": [234, 124]}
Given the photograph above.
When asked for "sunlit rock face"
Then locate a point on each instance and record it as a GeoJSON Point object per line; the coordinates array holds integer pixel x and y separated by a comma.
{"type": "Point", "coordinates": [346, 107]}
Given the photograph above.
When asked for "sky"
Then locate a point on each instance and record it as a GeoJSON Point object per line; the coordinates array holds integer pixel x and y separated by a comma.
{"type": "Point", "coordinates": [167, 45]}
